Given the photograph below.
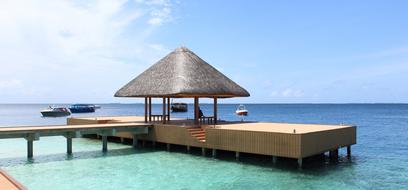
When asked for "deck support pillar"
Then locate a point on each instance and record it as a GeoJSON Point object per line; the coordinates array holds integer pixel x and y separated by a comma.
{"type": "Point", "coordinates": [30, 148]}
{"type": "Point", "coordinates": [348, 151]}
{"type": "Point", "coordinates": [237, 155]}
{"type": "Point", "coordinates": [203, 151]}
{"type": "Point", "coordinates": [143, 143]}
{"type": "Point", "coordinates": [168, 147]}
{"type": "Point", "coordinates": [69, 145]}
{"type": "Point", "coordinates": [134, 142]}
{"type": "Point", "coordinates": [300, 162]}
{"type": "Point", "coordinates": [274, 159]}
{"type": "Point", "coordinates": [30, 143]}
{"type": "Point", "coordinates": [154, 143]}
{"type": "Point", "coordinates": [104, 143]}
{"type": "Point", "coordinates": [334, 154]}
{"type": "Point", "coordinates": [188, 149]}
{"type": "Point", "coordinates": [214, 153]}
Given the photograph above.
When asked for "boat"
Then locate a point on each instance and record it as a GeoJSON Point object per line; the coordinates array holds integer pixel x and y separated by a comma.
{"type": "Point", "coordinates": [97, 106]}
{"type": "Point", "coordinates": [179, 107]}
{"type": "Point", "coordinates": [241, 110]}
{"type": "Point", "coordinates": [55, 112]}
{"type": "Point", "coordinates": [82, 108]}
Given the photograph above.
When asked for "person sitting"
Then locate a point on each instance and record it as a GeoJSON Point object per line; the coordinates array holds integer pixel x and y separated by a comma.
{"type": "Point", "coordinates": [200, 113]}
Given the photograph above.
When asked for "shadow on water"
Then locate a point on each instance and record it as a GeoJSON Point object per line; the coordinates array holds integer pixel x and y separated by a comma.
{"type": "Point", "coordinates": [317, 165]}
{"type": "Point", "coordinates": [15, 161]}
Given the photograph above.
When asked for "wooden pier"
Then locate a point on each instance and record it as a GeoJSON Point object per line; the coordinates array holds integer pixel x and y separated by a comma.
{"type": "Point", "coordinates": [33, 133]}
{"type": "Point", "coordinates": [9, 183]}
{"type": "Point", "coordinates": [286, 140]}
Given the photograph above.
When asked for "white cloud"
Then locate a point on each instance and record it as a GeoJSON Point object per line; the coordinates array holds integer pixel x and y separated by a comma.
{"type": "Point", "coordinates": [75, 51]}
{"type": "Point", "coordinates": [287, 93]}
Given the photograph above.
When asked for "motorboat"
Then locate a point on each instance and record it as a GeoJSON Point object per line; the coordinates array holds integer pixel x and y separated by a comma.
{"type": "Point", "coordinates": [179, 107]}
{"type": "Point", "coordinates": [241, 110]}
{"type": "Point", "coordinates": [82, 108]}
{"type": "Point", "coordinates": [55, 112]}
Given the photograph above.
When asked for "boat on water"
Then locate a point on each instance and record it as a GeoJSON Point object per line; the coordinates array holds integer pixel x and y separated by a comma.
{"type": "Point", "coordinates": [241, 110]}
{"type": "Point", "coordinates": [55, 112]}
{"type": "Point", "coordinates": [179, 107]}
{"type": "Point", "coordinates": [82, 108]}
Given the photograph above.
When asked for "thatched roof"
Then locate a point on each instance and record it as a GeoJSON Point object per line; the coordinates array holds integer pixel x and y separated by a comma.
{"type": "Point", "coordinates": [182, 74]}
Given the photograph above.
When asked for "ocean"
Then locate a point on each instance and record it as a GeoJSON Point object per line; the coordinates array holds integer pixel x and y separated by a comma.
{"type": "Point", "coordinates": [379, 160]}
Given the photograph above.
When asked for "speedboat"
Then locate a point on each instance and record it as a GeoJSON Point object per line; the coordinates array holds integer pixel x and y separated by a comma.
{"type": "Point", "coordinates": [179, 107]}
{"type": "Point", "coordinates": [241, 110]}
{"type": "Point", "coordinates": [82, 108]}
{"type": "Point", "coordinates": [55, 112]}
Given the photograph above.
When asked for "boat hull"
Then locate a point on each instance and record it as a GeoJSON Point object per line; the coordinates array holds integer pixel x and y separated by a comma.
{"type": "Point", "coordinates": [82, 110]}
{"type": "Point", "coordinates": [54, 114]}
{"type": "Point", "coordinates": [179, 108]}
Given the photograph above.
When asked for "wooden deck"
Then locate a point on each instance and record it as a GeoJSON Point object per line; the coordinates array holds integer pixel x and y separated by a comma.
{"type": "Point", "coordinates": [275, 139]}
{"type": "Point", "coordinates": [9, 183]}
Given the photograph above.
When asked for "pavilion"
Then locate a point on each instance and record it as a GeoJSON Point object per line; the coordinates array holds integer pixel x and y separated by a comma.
{"type": "Point", "coordinates": [180, 74]}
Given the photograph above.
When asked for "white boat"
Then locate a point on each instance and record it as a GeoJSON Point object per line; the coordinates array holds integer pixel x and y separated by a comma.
{"type": "Point", "coordinates": [241, 110]}
{"type": "Point", "coordinates": [55, 112]}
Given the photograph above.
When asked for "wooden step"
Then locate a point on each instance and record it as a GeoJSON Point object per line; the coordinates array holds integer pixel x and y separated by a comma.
{"type": "Point", "coordinates": [199, 135]}
{"type": "Point", "coordinates": [200, 138]}
{"type": "Point", "coordinates": [197, 132]}
{"type": "Point", "coordinates": [195, 129]}
{"type": "Point", "coordinates": [203, 141]}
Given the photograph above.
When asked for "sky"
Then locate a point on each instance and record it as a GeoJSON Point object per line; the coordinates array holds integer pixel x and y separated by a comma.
{"type": "Point", "coordinates": [280, 51]}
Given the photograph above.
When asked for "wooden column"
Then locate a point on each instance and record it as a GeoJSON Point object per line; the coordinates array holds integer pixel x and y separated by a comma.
{"type": "Point", "coordinates": [300, 162]}
{"type": "Point", "coordinates": [196, 110]}
{"type": "Point", "coordinates": [150, 108]}
{"type": "Point", "coordinates": [104, 143]}
{"type": "Point", "coordinates": [168, 109]}
{"type": "Point", "coordinates": [348, 151]}
{"type": "Point", "coordinates": [30, 148]}
{"type": "Point", "coordinates": [145, 107]}
{"type": "Point", "coordinates": [69, 145]}
{"type": "Point", "coordinates": [164, 110]}
{"type": "Point", "coordinates": [215, 110]}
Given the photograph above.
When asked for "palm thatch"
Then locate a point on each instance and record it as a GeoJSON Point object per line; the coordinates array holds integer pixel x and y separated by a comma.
{"type": "Point", "coordinates": [182, 74]}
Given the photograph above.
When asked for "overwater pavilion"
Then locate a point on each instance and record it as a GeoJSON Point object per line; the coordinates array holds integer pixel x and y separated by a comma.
{"type": "Point", "coordinates": [181, 74]}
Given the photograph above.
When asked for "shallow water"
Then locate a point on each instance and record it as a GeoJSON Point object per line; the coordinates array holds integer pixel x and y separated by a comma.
{"type": "Point", "coordinates": [379, 160]}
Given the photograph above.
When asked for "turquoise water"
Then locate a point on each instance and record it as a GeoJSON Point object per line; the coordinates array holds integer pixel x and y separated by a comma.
{"type": "Point", "coordinates": [379, 160]}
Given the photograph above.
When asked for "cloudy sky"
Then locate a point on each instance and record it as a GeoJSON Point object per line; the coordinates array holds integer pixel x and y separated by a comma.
{"type": "Point", "coordinates": [280, 51]}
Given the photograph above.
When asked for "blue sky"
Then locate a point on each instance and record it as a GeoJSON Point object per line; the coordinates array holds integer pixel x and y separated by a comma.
{"type": "Point", "coordinates": [280, 51]}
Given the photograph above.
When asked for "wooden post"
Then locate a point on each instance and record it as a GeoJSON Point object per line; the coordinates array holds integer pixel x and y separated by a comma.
{"type": "Point", "coordinates": [104, 143]}
{"type": "Point", "coordinates": [134, 142]}
{"type": "Point", "coordinates": [348, 151]}
{"type": "Point", "coordinates": [168, 147]}
{"type": "Point", "coordinates": [237, 155]}
{"type": "Point", "coordinates": [145, 107]}
{"type": "Point", "coordinates": [69, 145]}
{"type": "Point", "coordinates": [274, 159]}
{"type": "Point", "coordinates": [214, 153]}
{"type": "Point", "coordinates": [150, 108]}
{"type": "Point", "coordinates": [168, 108]}
{"type": "Point", "coordinates": [300, 162]}
{"type": "Point", "coordinates": [203, 151]}
{"type": "Point", "coordinates": [196, 110]}
{"type": "Point", "coordinates": [164, 110]}
{"type": "Point", "coordinates": [188, 149]}
{"type": "Point", "coordinates": [215, 110]}
{"type": "Point", "coordinates": [30, 148]}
